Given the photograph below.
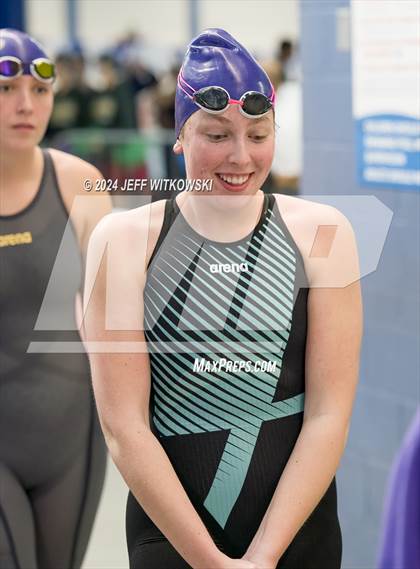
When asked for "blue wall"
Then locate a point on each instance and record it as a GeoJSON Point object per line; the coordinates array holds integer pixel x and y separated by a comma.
{"type": "Point", "coordinates": [389, 379]}
{"type": "Point", "coordinates": [12, 14]}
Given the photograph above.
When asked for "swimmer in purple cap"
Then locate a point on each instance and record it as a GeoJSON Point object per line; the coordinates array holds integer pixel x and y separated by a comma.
{"type": "Point", "coordinates": [220, 84]}
{"type": "Point", "coordinates": [52, 457]}
{"type": "Point", "coordinates": [233, 325]}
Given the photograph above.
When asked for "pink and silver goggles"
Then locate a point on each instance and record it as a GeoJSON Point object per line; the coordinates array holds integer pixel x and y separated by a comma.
{"type": "Point", "coordinates": [215, 100]}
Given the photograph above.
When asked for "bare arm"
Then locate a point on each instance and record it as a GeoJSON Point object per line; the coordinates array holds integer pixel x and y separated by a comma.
{"type": "Point", "coordinates": [121, 384]}
{"type": "Point", "coordinates": [85, 208]}
{"type": "Point", "coordinates": [332, 358]}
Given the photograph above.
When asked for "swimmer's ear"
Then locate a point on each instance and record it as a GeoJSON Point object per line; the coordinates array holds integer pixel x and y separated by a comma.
{"type": "Point", "coordinates": [177, 148]}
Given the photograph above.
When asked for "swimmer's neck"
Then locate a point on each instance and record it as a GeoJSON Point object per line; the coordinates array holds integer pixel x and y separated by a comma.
{"type": "Point", "coordinates": [221, 218]}
{"type": "Point", "coordinates": [20, 175]}
{"type": "Point", "coordinates": [18, 165]}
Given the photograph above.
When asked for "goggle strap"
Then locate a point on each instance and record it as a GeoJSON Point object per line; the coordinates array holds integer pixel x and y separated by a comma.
{"type": "Point", "coordinates": [273, 94]}
{"type": "Point", "coordinates": [182, 89]}
{"type": "Point", "coordinates": [181, 78]}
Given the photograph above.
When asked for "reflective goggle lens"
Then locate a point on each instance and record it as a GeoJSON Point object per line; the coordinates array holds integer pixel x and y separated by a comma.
{"type": "Point", "coordinates": [44, 68]}
{"type": "Point", "coordinates": [10, 68]}
{"type": "Point", "coordinates": [212, 98]}
{"type": "Point", "coordinates": [255, 104]}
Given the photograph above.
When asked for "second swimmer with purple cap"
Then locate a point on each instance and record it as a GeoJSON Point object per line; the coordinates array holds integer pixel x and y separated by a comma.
{"type": "Point", "coordinates": [52, 453]}
{"type": "Point", "coordinates": [233, 326]}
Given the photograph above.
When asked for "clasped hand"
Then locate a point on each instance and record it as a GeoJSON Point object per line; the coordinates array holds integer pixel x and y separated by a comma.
{"type": "Point", "coordinates": [247, 562]}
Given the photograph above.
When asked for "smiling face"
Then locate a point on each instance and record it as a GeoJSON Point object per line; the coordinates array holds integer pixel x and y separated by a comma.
{"type": "Point", "coordinates": [25, 108]}
{"type": "Point", "coordinates": [234, 151]}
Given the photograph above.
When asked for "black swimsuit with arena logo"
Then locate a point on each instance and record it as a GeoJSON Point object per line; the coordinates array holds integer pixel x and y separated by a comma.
{"type": "Point", "coordinates": [226, 328]}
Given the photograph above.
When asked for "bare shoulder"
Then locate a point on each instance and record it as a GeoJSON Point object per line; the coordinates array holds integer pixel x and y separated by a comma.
{"type": "Point", "coordinates": [299, 210]}
{"type": "Point", "coordinates": [72, 171]}
{"type": "Point", "coordinates": [126, 240]}
{"type": "Point", "coordinates": [83, 207]}
{"type": "Point", "coordinates": [136, 230]}
{"type": "Point", "coordinates": [324, 237]}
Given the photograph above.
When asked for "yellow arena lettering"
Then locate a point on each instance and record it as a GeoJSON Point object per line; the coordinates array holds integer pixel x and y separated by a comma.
{"type": "Point", "coordinates": [12, 239]}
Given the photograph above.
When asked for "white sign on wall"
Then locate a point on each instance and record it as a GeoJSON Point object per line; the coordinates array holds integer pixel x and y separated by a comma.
{"type": "Point", "coordinates": [386, 92]}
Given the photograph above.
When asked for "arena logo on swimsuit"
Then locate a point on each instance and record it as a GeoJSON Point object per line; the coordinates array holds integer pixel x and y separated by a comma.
{"type": "Point", "coordinates": [227, 268]}
{"type": "Point", "coordinates": [13, 239]}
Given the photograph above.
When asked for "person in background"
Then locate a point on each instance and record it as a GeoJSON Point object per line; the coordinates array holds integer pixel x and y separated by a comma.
{"type": "Point", "coordinates": [72, 96]}
{"type": "Point", "coordinates": [273, 69]}
{"type": "Point", "coordinates": [140, 76]}
{"type": "Point", "coordinates": [400, 547]}
{"type": "Point", "coordinates": [284, 56]}
{"type": "Point", "coordinates": [165, 111]}
{"type": "Point", "coordinates": [112, 106]}
{"type": "Point", "coordinates": [52, 454]}
{"type": "Point", "coordinates": [287, 164]}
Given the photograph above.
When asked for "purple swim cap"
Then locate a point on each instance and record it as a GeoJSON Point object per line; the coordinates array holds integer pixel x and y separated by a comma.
{"type": "Point", "coordinates": [215, 58]}
{"type": "Point", "coordinates": [20, 45]}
